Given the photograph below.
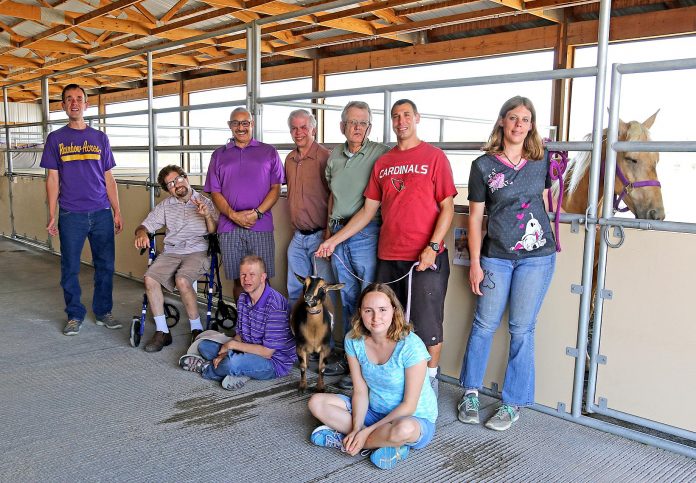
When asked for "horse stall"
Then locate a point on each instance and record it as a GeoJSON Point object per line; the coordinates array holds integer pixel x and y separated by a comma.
{"type": "Point", "coordinates": [642, 335]}
{"type": "Point", "coordinates": [648, 332]}
{"type": "Point", "coordinates": [29, 200]}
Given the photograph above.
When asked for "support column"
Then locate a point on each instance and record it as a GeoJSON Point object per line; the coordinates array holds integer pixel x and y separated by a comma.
{"type": "Point", "coordinates": [151, 131]}
{"type": "Point", "coordinates": [8, 157]}
{"type": "Point", "coordinates": [387, 117]}
{"type": "Point", "coordinates": [253, 84]}
{"type": "Point", "coordinates": [318, 84]}
{"type": "Point", "coordinates": [591, 233]}
{"type": "Point", "coordinates": [561, 88]}
{"type": "Point", "coordinates": [44, 134]}
{"type": "Point", "coordinates": [184, 134]}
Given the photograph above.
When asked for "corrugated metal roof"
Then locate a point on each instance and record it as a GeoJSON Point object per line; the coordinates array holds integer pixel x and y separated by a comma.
{"type": "Point", "coordinates": [323, 34]}
{"type": "Point", "coordinates": [446, 12]}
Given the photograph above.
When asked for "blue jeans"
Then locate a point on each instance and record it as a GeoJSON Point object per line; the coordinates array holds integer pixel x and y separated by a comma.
{"type": "Point", "coordinates": [300, 261]}
{"type": "Point", "coordinates": [427, 428]}
{"type": "Point", "coordinates": [74, 228]}
{"type": "Point", "coordinates": [523, 284]}
{"type": "Point", "coordinates": [359, 253]}
{"type": "Point", "coordinates": [235, 364]}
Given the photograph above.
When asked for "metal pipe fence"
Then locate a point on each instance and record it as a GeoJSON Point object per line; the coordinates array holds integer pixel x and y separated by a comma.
{"type": "Point", "coordinates": [590, 219]}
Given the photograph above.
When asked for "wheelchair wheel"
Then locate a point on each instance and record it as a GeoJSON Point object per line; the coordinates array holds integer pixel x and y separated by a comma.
{"type": "Point", "coordinates": [135, 332]}
{"type": "Point", "coordinates": [172, 315]}
{"type": "Point", "coordinates": [225, 317]}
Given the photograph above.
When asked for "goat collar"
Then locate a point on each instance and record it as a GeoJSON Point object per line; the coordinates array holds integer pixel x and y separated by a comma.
{"type": "Point", "coordinates": [313, 311]}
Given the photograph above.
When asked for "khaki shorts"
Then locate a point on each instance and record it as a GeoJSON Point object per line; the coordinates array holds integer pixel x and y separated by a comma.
{"type": "Point", "coordinates": [167, 267]}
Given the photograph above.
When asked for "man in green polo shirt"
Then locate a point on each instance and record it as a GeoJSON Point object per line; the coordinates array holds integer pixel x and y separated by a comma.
{"type": "Point", "coordinates": [347, 172]}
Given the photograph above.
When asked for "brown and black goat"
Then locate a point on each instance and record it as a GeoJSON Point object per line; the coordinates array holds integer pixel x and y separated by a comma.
{"type": "Point", "coordinates": [311, 323]}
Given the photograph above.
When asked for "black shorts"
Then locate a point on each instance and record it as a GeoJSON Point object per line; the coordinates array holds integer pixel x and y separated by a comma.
{"type": "Point", "coordinates": [428, 290]}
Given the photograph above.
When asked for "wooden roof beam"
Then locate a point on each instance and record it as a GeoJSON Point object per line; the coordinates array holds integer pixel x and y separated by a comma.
{"type": "Point", "coordinates": [172, 11]}
{"type": "Point", "coordinates": [139, 7]}
{"type": "Point", "coordinates": [82, 19]}
{"type": "Point", "coordinates": [337, 20]}
{"type": "Point", "coordinates": [520, 6]}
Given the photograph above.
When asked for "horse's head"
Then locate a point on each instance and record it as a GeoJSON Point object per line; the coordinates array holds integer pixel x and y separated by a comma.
{"type": "Point", "coordinates": [644, 199]}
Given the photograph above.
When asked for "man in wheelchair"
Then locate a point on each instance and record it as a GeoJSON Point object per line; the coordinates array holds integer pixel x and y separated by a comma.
{"type": "Point", "coordinates": [188, 217]}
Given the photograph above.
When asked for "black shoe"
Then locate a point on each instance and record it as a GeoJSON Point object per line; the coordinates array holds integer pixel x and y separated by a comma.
{"type": "Point", "coordinates": [195, 333]}
{"type": "Point", "coordinates": [158, 341]}
{"type": "Point", "coordinates": [346, 382]}
{"type": "Point", "coordinates": [338, 368]}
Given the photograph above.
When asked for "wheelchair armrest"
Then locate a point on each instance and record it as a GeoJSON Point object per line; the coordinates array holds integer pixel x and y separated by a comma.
{"type": "Point", "coordinates": [213, 243]}
{"type": "Point", "coordinates": [151, 237]}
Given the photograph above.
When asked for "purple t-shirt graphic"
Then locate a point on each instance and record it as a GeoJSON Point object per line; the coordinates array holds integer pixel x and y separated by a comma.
{"type": "Point", "coordinates": [244, 176]}
{"type": "Point", "coordinates": [81, 156]}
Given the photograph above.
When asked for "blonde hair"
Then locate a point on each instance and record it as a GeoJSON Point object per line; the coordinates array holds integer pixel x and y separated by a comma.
{"type": "Point", "coordinates": [533, 148]}
{"type": "Point", "coordinates": [399, 328]}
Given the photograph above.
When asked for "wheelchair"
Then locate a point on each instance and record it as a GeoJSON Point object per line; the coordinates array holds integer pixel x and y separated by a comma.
{"type": "Point", "coordinates": [225, 317]}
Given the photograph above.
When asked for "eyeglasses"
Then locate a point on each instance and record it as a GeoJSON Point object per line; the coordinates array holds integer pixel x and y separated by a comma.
{"type": "Point", "coordinates": [176, 180]}
{"type": "Point", "coordinates": [356, 123]}
{"type": "Point", "coordinates": [239, 123]}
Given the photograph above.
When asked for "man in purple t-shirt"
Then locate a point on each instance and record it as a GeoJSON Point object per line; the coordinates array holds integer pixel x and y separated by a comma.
{"type": "Point", "coordinates": [79, 183]}
{"type": "Point", "coordinates": [263, 348]}
{"type": "Point", "coordinates": [244, 178]}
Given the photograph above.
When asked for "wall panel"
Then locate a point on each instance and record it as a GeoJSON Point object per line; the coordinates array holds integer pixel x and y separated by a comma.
{"type": "Point", "coordinates": [556, 327]}
{"type": "Point", "coordinates": [649, 329]}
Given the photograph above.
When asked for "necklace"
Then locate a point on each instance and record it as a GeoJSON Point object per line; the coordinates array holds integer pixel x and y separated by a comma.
{"type": "Point", "coordinates": [510, 160]}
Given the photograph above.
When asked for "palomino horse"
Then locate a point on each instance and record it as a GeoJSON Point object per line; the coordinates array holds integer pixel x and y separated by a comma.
{"type": "Point", "coordinates": [636, 176]}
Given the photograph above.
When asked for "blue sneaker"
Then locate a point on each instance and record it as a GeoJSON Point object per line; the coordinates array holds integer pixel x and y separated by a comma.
{"type": "Point", "coordinates": [387, 458]}
{"type": "Point", "coordinates": [327, 437]}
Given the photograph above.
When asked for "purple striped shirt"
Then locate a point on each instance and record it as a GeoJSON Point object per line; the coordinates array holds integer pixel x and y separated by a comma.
{"type": "Point", "coordinates": [267, 323]}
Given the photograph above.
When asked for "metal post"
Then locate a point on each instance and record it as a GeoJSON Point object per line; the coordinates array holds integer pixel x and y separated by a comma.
{"type": "Point", "coordinates": [254, 77]}
{"type": "Point", "coordinates": [8, 158]}
{"type": "Point", "coordinates": [607, 212]}
{"type": "Point", "coordinates": [387, 117]}
{"type": "Point", "coordinates": [442, 130]}
{"type": "Point", "coordinates": [590, 234]}
{"type": "Point", "coordinates": [151, 130]}
{"type": "Point", "coordinates": [44, 132]}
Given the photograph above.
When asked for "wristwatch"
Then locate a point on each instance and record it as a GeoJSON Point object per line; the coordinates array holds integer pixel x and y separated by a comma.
{"type": "Point", "coordinates": [435, 246]}
{"type": "Point", "coordinates": [259, 214]}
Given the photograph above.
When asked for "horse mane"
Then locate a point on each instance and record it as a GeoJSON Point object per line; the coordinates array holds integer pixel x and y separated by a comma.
{"type": "Point", "coordinates": [578, 166]}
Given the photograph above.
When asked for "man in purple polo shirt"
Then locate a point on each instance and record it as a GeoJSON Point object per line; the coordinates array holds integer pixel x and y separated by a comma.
{"type": "Point", "coordinates": [263, 348]}
{"type": "Point", "coordinates": [244, 178]}
{"type": "Point", "coordinates": [80, 184]}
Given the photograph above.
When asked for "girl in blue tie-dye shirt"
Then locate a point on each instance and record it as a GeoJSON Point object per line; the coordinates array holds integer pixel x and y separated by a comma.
{"type": "Point", "coordinates": [393, 407]}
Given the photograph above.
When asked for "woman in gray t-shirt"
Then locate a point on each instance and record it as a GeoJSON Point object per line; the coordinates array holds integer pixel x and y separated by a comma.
{"type": "Point", "coordinates": [513, 264]}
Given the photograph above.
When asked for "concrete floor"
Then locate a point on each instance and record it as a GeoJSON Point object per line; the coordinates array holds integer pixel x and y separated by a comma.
{"type": "Point", "coordinates": [91, 408]}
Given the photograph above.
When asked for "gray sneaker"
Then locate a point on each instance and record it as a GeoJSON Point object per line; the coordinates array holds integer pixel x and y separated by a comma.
{"type": "Point", "coordinates": [504, 418]}
{"type": "Point", "coordinates": [468, 408]}
{"type": "Point", "coordinates": [234, 382]}
{"type": "Point", "coordinates": [107, 320]}
{"type": "Point", "coordinates": [72, 327]}
{"type": "Point", "coordinates": [193, 363]}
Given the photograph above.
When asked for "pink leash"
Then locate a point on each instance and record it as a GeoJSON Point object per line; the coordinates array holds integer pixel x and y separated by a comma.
{"type": "Point", "coordinates": [558, 162]}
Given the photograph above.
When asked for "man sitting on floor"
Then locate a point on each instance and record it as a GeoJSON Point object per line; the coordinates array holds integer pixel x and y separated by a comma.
{"type": "Point", "coordinates": [263, 347]}
{"type": "Point", "coordinates": [188, 217]}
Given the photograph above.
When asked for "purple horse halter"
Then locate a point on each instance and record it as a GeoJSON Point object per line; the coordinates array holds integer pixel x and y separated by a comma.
{"type": "Point", "coordinates": [628, 187]}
